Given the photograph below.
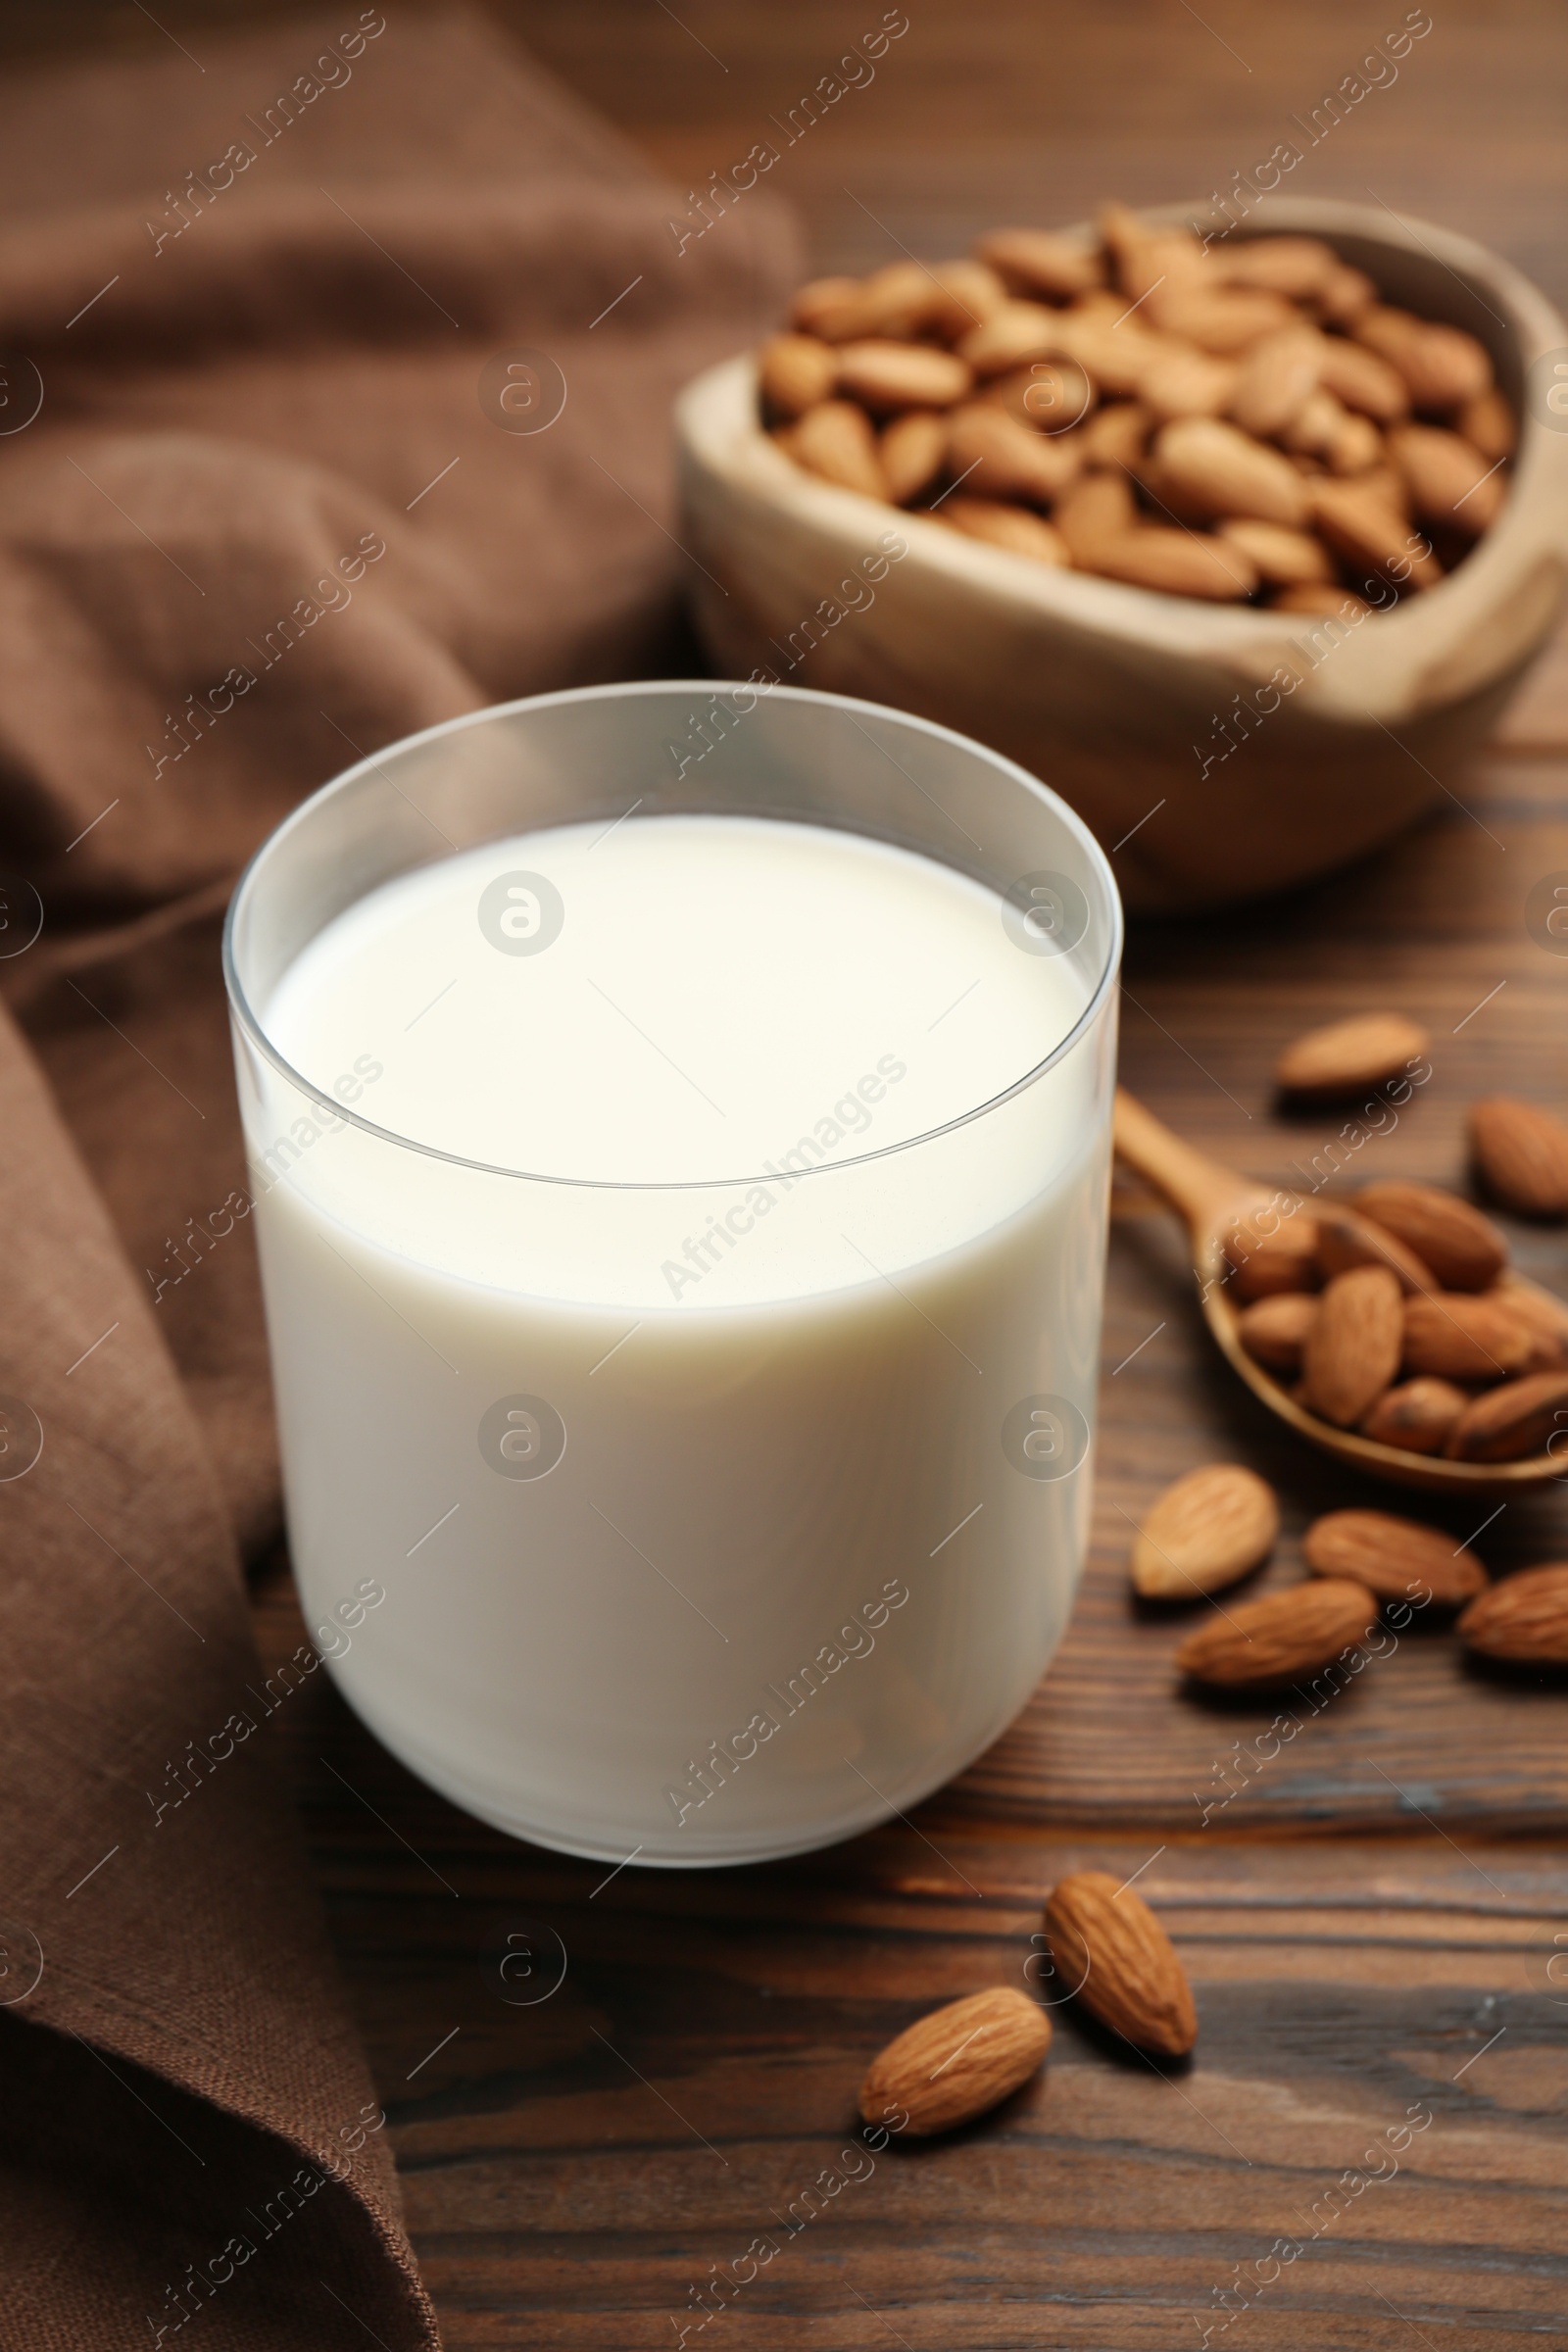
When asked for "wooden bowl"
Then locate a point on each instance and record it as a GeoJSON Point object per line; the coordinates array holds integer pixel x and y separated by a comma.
{"type": "Point", "coordinates": [1112, 693]}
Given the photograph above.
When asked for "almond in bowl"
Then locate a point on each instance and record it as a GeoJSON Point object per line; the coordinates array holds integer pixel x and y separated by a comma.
{"type": "Point", "coordinates": [1193, 531]}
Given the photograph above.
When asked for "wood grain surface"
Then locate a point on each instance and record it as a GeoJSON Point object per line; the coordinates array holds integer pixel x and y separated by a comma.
{"type": "Point", "coordinates": [1376, 1918]}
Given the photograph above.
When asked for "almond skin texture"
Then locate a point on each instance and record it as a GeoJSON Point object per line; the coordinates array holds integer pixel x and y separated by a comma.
{"type": "Point", "coordinates": [1282, 1260]}
{"type": "Point", "coordinates": [1261, 1643]}
{"type": "Point", "coordinates": [1513, 1422]}
{"type": "Point", "coordinates": [952, 2064]}
{"type": "Point", "coordinates": [1348, 1056]}
{"type": "Point", "coordinates": [1460, 1337]}
{"type": "Point", "coordinates": [1396, 1559]}
{"type": "Point", "coordinates": [1110, 1946]}
{"type": "Point", "coordinates": [1463, 1249]}
{"type": "Point", "coordinates": [1346, 1240]}
{"type": "Point", "coordinates": [1274, 1331]}
{"type": "Point", "coordinates": [1523, 1619]}
{"type": "Point", "coordinates": [1352, 1351]}
{"type": "Point", "coordinates": [1204, 1532]}
{"type": "Point", "coordinates": [1522, 1154]}
{"type": "Point", "coordinates": [1420, 1416]}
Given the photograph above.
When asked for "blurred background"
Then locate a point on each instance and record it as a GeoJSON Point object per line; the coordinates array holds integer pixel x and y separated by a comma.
{"type": "Point", "coordinates": [986, 112]}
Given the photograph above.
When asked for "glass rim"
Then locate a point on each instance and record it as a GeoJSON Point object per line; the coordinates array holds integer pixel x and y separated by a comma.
{"type": "Point", "coordinates": [371, 763]}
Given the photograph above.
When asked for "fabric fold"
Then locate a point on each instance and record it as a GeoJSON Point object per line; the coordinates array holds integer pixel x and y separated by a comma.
{"type": "Point", "coordinates": [269, 517]}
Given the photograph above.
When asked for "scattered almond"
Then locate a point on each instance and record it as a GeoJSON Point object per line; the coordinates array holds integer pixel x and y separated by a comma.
{"type": "Point", "coordinates": [1420, 1416]}
{"type": "Point", "coordinates": [1396, 1559]}
{"type": "Point", "coordinates": [1522, 1154]}
{"type": "Point", "coordinates": [957, 2062]}
{"type": "Point", "coordinates": [1463, 1249]}
{"type": "Point", "coordinates": [1110, 1946]}
{"type": "Point", "coordinates": [1523, 1619]}
{"type": "Point", "coordinates": [1210, 1528]}
{"type": "Point", "coordinates": [1352, 1351]}
{"type": "Point", "coordinates": [1286, 1635]}
{"type": "Point", "coordinates": [1462, 1336]}
{"type": "Point", "coordinates": [1274, 1330]}
{"type": "Point", "coordinates": [1513, 1422]}
{"type": "Point", "coordinates": [1349, 1056]}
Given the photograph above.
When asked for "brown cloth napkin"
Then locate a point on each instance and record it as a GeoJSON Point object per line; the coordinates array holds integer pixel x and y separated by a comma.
{"type": "Point", "coordinates": [269, 513]}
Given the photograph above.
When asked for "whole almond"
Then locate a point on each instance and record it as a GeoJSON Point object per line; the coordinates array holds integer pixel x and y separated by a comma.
{"type": "Point", "coordinates": [1396, 1559]}
{"type": "Point", "coordinates": [962, 295]}
{"type": "Point", "coordinates": [1188, 384]}
{"type": "Point", "coordinates": [1363, 380]}
{"type": "Point", "coordinates": [1514, 1422]}
{"type": "Point", "coordinates": [1274, 1639]}
{"type": "Point", "coordinates": [1546, 1317]}
{"type": "Point", "coordinates": [1419, 1416]}
{"type": "Point", "coordinates": [1098, 508]}
{"type": "Point", "coordinates": [1344, 294]}
{"type": "Point", "coordinates": [1442, 365]}
{"type": "Point", "coordinates": [1224, 322]}
{"type": "Point", "coordinates": [999, 458]}
{"type": "Point", "coordinates": [1296, 267]}
{"type": "Point", "coordinates": [1352, 1351]}
{"type": "Point", "coordinates": [1016, 528]}
{"type": "Point", "coordinates": [1463, 1249]}
{"type": "Point", "coordinates": [1354, 447]}
{"type": "Point", "coordinates": [1346, 1240]}
{"type": "Point", "coordinates": [1032, 260]}
{"type": "Point", "coordinates": [1284, 1259]}
{"type": "Point", "coordinates": [1522, 1154]}
{"type": "Point", "coordinates": [1316, 425]}
{"type": "Point", "coordinates": [952, 2064]}
{"type": "Point", "coordinates": [1350, 1056]}
{"type": "Point", "coordinates": [885, 375]}
{"type": "Point", "coordinates": [1118, 435]}
{"type": "Point", "coordinates": [1050, 397]}
{"type": "Point", "coordinates": [1277, 377]}
{"type": "Point", "coordinates": [1523, 1619]}
{"type": "Point", "coordinates": [1274, 1331]}
{"type": "Point", "coordinates": [1175, 563]}
{"type": "Point", "coordinates": [833, 309]}
{"type": "Point", "coordinates": [795, 372]}
{"type": "Point", "coordinates": [1461, 1337]}
{"type": "Point", "coordinates": [1486, 421]}
{"type": "Point", "coordinates": [1221, 471]}
{"type": "Point", "coordinates": [1108, 1945]}
{"type": "Point", "coordinates": [1211, 1527]}
{"type": "Point", "coordinates": [1360, 521]}
{"type": "Point", "coordinates": [1283, 557]}
{"type": "Point", "coordinates": [835, 440]}
{"type": "Point", "coordinates": [1448, 479]}
{"type": "Point", "coordinates": [913, 450]}
{"type": "Point", "coordinates": [1013, 336]}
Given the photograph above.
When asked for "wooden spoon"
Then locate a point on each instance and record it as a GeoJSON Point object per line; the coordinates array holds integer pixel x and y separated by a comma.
{"type": "Point", "coordinates": [1209, 1198]}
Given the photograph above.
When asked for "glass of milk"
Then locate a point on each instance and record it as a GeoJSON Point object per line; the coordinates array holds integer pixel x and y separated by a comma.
{"type": "Point", "coordinates": [678, 1122]}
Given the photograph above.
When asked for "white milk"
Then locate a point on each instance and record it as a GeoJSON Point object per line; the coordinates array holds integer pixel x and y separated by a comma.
{"type": "Point", "coordinates": [718, 1507]}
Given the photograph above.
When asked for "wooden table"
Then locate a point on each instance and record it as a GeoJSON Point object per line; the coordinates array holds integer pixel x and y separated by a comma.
{"type": "Point", "coordinates": [1375, 1917]}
